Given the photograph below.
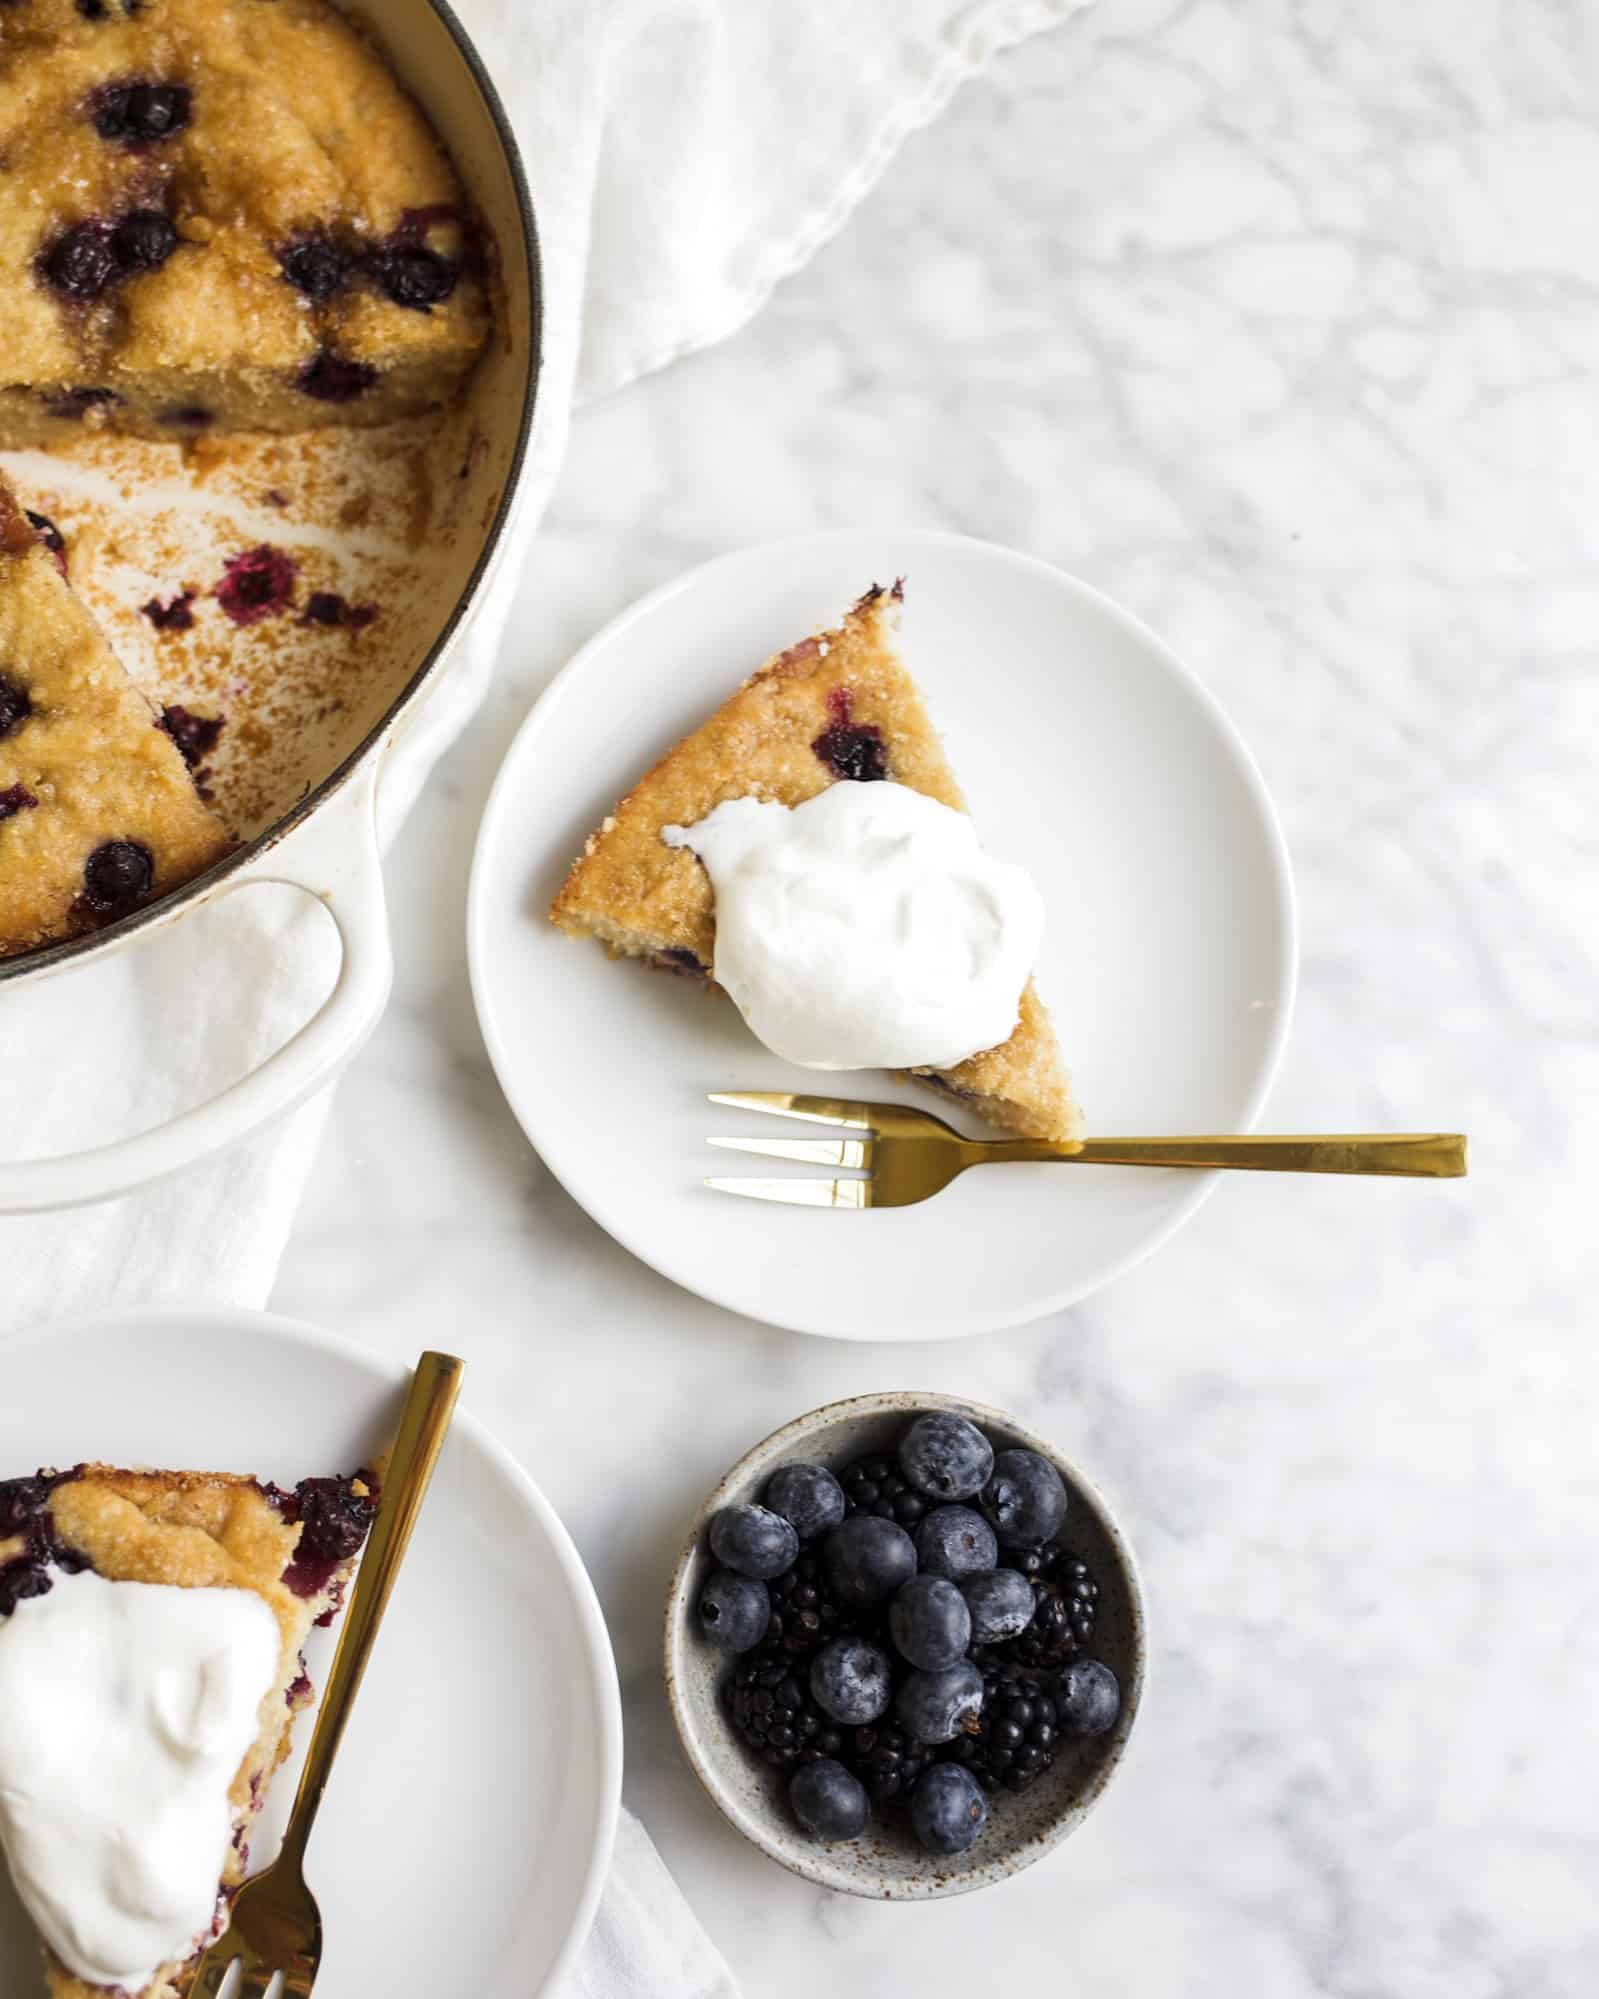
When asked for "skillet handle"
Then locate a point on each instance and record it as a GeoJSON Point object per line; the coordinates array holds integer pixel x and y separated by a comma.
{"type": "Point", "coordinates": [334, 857]}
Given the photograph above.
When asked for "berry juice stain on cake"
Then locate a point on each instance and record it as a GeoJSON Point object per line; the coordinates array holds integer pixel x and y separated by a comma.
{"type": "Point", "coordinates": [51, 536]}
{"type": "Point", "coordinates": [327, 607]}
{"type": "Point", "coordinates": [334, 1515]}
{"type": "Point", "coordinates": [175, 615]}
{"type": "Point", "coordinates": [850, 750]}
{"type": "Point", "coordinates": [195, 735]}
{"type": "Point", "coordinates": [26, 1527]}
{"type": "Point", "coordinates": [257, 584]}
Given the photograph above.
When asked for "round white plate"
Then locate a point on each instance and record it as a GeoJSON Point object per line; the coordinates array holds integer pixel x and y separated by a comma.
{"type": "Point", "coordinates": [468, 1825]}
{"type": "Point", "coordinates": [1087, 751]}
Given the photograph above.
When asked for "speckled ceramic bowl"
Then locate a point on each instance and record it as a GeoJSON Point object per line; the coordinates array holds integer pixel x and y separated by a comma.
{"type": "Point", "coordinates": [886, 1862]}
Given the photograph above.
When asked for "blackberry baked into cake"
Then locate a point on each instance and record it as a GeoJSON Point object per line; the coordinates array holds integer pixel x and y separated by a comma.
{"type": "Point", "coordinates": [839, 708]}
{"type": "Point", "coordinates": [98, 811]}
{"type": "Point", "coordinates": [221, 214]}
{"type": "Point", "coordinates": [151, 1626]}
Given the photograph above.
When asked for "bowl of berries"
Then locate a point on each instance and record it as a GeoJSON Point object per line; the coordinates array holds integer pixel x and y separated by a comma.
{"type": "Point", "coordinates": [905, 1646]}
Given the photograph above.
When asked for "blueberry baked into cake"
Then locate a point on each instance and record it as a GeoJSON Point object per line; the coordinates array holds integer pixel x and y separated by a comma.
{"type": "Point", "coordinates": [151, 1626]}
{"type": "Point", "coordinates": [221, 214]}
{"type": "Point", "coordinates": [98, 810]}
{"type": "Point", "coordinates": [838, 708]}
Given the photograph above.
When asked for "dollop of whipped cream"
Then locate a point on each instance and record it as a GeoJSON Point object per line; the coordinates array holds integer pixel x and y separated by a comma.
{"type": "Point", "coordinates": [866, 928]}
{"type": "Point", "coordinates": [125, 1712]}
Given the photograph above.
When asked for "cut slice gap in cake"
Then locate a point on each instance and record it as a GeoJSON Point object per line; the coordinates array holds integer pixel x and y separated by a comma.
{"type": "Point", "coordinates": [151, 1666]}
{"type": "Point", "coordinates": [839, 707]}
{"type": "Point", "coordinates": [98, 811]}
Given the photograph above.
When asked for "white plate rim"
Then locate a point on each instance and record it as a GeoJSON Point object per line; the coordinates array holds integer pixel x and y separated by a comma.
{"type": "Point", "coordinates": [248, 1323]}
{"type": "Point", "coordinates": [589, 1192]}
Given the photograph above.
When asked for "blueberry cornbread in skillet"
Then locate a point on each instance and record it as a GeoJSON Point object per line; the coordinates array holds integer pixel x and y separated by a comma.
{"type": "Point", "coordinates": [218, 215]}
{"type": "Point", "coordinates": [151, 1626]}
{"type": "Point", "coordinates": [98, 810]}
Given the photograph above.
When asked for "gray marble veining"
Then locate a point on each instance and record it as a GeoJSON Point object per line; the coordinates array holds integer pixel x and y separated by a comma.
{"type": "Point", "coordinates": [1278, 322]}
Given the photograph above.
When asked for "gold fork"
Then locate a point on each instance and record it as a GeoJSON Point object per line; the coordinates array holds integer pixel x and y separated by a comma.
{"type": "Point", "coordinates": [276, 1925]}
{"type": "Point", "coordinates": [911, 1155]}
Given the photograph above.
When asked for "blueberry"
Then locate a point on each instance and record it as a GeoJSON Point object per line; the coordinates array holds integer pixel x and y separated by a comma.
{"type": "Point", "coordinates": [867, 1559]}
{"type": "Point", "coordinates": [734, 1611]}
{"type": "Point", "coordinates": [116, 875]}
{"type": "Point", "coordinates": [139, 113]}
{"type": "Point", "coordinates": [754, 1541]}
{"type": "Point", "coordinates": [316, 265]}
{"type": "Point", "coordinates": [828, 1801]}
{"type": "Point", "coordinates": [853, 753]}
{"type": "Point", "coordinates": [954, 1541]}
{"type": "Point", "coordinates": [934, 1706]}
{"type": "Point", "coordinates": [1001, 1603]}
{"type": "Point", "coordinates": [413, 276]}
{"type": "Point", "coordinates": [1024, 1498]}
{"type": "Point", "coordinates": [948, 1809]}
{"type": "Point", "coordinates": [21, 1579]}
{"type": "Point", "coordinates": [16, 704]}
{"type": "Point", "coordinates": [945, 1456]}
{"type": "Point", "coordinates": [807, 1495]}
{"type": "Point", "coordinates": [1088, 1698]}
{"type": "Point", "coordinates": [852, 1679]}
{"type": "Point", "coordinates": [930, 1624]}
{"type": "Point", "coordinates": [71, 405]}
{"type": "Point", "coordinates": [330, 378]}
{"type": "Point", "coordinates": [80, 263]}
{"type": "Point", "coordinates": [143, 241]}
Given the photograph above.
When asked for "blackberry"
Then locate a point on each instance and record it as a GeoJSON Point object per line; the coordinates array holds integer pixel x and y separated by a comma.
{"type": "Point", "coordinates": [772, 1710]}
{"type": "Point", "coordinates": [1015, 1736]}
{"type": "Point", "coordinates": [1067, 1607]}
{"type": "Point", "coordinates": [876, 1484]}
{"type": "Point", "coordinates": [885, 1759]}
{"type": "Point", "coordinates": [805, 1613]}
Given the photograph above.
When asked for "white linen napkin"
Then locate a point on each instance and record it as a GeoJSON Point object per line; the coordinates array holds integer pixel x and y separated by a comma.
{"type": "Point", "coordinates": [685, 156]}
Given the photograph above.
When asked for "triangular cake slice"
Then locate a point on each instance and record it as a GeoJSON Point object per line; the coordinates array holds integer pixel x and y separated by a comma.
{"type": "Point", "coordinates": [98, 811]}
{"type": "Point", "coordinates": [838, 707]}
{"type": "Point", "coordinates": [245, 1570]}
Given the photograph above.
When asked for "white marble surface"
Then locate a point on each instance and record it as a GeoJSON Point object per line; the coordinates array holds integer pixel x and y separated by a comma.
{"type": "Point", "coordinates": [1277, 322]}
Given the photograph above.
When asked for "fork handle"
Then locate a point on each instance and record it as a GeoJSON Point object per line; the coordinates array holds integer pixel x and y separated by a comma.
{"type": "Point", "coordinates": [1417, 1155]}
{"type": "Point", "coordinates": [423, 1424]}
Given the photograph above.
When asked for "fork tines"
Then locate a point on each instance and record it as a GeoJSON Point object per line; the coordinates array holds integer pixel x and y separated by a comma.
{"type": "Point", "coordinates": [853, 1153]}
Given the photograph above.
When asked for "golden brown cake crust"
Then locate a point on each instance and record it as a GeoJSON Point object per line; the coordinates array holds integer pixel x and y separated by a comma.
{"type": "Point", "coordinates": [644, 899]}
{"type": "Point", "coordinates": [82, 760]}
{"type": "Point", "coordinates": [195, 1530]}
{"type": "Point", "coordinates": [283, 126]}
